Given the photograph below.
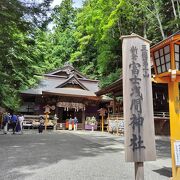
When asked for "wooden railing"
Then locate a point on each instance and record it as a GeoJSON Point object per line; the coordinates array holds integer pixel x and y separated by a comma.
{"type": "Point", "coordinates": [157, 114]}
{"type": "Point", "coordinates": [164, 115]}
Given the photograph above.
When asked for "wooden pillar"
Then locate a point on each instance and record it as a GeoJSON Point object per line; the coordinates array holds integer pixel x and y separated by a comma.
{"type": "Point", "coordinates": [139, 171]}
{"type": "Point", "coordinates": [108, 119]}
{"type": "Point", "coordinates": [83, 119]}
{"type": "Point", "coordinates": [114, 104]}
{"type": "Point", "coordinates": [102, 123]}
{"type": "Point", "coordinates": [173, 88]}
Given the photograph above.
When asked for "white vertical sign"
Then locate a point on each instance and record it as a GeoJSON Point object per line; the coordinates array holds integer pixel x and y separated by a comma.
{"type": "Point", "coordinates": [137, 100]}
{"type": "Point", "coordinates": [177, 152]}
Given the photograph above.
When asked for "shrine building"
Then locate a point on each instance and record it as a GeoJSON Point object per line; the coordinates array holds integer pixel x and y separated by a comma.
{"type": "Point", "coordinates": [65, 92]}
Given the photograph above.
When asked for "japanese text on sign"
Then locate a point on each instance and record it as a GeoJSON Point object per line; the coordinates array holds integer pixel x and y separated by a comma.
{"type": "Point", "coordinates": [137, 100]}
{"type": "Point", "coordinates": [136, 118]}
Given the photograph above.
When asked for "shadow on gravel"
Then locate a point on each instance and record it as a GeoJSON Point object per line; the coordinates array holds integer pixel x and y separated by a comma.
{"type": "Point", "coordinates": [22, 155]}
{"type": "Point", "coordinates": [165, 171]}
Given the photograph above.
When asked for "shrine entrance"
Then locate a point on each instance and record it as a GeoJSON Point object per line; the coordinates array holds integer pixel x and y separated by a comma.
{"type": "Point", "coordinates": [70, 113]}
{"type": "Point", "coordinates": [67, 110]}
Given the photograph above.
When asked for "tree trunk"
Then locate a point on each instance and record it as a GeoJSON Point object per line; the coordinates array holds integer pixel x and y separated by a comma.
{"type": "Point", "coordinates": [174, 11]}
{"type": "Point", "coordinates": [159, 20]}
{"type": "Point", "coordinates": [178, 8]}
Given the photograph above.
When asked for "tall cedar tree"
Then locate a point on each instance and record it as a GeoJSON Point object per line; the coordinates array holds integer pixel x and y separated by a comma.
{"type": "Point", "coordinates": [18, 21]}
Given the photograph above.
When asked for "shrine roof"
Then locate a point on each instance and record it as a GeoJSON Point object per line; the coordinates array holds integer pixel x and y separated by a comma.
{"type": "Point", "coordinates": [70, 92]}
{"type": "Point", "coordinates": [67, 71]}
{"type": "Point", "coordinates": [51, 81]}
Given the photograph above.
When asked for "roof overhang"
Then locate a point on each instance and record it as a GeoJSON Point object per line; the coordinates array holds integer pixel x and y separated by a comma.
{"type": "Point", "coordinates": [72, 92]}
{"type": "Point", "coordinates": [173, 38]}
{"type": "Point", "coordinates": [32, 92]}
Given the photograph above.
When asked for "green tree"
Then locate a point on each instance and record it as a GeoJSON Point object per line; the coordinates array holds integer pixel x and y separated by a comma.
{"type": "Point", "coordinates": [99, 30]}
{"type": "Point", "coordinates": [61, 37]}
{"type": "Point", "coordinates": [18, 20]}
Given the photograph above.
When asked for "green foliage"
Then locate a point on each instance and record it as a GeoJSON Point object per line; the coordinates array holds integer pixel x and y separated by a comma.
{"type": "Point", "coordinates": [105, 81]}
{"type": "Point", "coordinates": [16, 60]}
{"type": "Point", "coordinates": [87, 37]}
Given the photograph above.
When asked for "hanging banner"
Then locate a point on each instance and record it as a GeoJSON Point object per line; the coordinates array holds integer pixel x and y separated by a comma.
{"type": "Point", "coordinates": [137, 100]}
{"type": "Point", "coordinates": [71, 105]}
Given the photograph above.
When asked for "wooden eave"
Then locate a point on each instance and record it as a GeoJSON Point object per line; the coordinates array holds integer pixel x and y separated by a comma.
{"type": "Point", "coordinates": [54, 76]}
{"type": "Point", "coordinates": [171, 39]}
{"type": "Point", "coordinates": [88, 95]}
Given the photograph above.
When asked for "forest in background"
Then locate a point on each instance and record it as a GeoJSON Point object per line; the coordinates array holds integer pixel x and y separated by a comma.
{"type": "Point", "coordinates": [87, 37]}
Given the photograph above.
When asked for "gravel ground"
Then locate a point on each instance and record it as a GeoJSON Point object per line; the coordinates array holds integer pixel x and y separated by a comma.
{"type": "Point", "coordinates": [81, 155]}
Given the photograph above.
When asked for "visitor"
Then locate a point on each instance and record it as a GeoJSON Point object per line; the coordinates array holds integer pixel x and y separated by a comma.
{"type": "Point", "coordinates": [55, 121]}
{"type": "Point", "coordinates": [17, 125]}
{"type": "Point", "coordinates": [21, 120]}
{"type": "Point", "coordinates": [5, 122]}
{"type": "Point", "coordinates": [75, 123]}
{"type": "Point", "coordinates": [14, 122]}
{"type": "Point", "coordinates": [9, 125]}
{"type": "Point", "coordinates": [41, 125]}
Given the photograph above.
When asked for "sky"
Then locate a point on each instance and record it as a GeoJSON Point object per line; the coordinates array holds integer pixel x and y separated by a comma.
{"type": "Point", "coordinates": [77, 3]}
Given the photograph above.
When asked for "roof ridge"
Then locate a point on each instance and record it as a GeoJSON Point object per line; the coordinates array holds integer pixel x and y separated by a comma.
{"type": "Point", "coordinates": [71, 77]}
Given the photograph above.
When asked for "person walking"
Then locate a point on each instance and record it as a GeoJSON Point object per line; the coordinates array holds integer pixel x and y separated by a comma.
{"type": "Point", "coordinates": [9, 126]}
{"type": "Point", "coordinates": [21, 120]}
{"type": "Point", "coordinates": [75, 123]}
{"type": "Point", "coordinates": [41, 125]}
{"type": "Point", "coordinates": [5, 123]}
{"type": "Point", "coordinates": [14, 120]}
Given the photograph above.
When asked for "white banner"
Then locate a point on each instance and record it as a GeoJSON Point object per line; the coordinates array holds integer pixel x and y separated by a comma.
{"type": "Point", "coordinates": [137, 100]}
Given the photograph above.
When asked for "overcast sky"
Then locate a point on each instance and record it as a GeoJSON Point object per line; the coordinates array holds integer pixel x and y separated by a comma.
{"type": "Point", "coordinates": [77, 3]}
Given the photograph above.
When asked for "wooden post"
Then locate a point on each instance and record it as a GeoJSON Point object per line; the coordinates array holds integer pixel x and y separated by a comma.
{"type": "Point", "coordinates": [102, 112]}
{"type": "Point", "coordinates": [139, 170]}
{"type": "Point", "coordinates": [108, 119]}
{"type": "Point", "coordinates": [102, 123]}
{"type": "Point", "coordinates": [173, 88]}
{"type": "Point", "coordinates": [114, 104]}
{"type": "Point", "coordinates": [83, 119]}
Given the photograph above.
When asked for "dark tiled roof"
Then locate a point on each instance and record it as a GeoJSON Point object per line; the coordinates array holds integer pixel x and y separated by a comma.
{"type": "Point", "coordinates": [50, 81]}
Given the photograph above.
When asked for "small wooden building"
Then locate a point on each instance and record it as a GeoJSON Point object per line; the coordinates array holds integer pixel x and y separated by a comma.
{"type": "Point", "coordinates": [65, 92]}
{"type": "Point", "coordinates": [160, 104]}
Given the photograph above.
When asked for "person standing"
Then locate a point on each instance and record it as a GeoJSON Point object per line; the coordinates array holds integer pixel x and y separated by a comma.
{"type": "Point", "coordinates": [55, 121]}
{"type": "Point", "coordinates": [14, 122]}
{"type": "Point", "coordinates": [41, 125]}
{"type": "Point", "coordinates": [20, 120]}
{"type": "Point", "coordinates": [75, 123]}
{"type": "Point", "coordinates": [5, 123]}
